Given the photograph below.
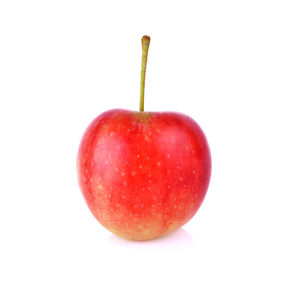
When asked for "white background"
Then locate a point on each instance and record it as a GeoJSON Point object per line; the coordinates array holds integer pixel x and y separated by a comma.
{"type": "Point", "coordinates": [234, 66]}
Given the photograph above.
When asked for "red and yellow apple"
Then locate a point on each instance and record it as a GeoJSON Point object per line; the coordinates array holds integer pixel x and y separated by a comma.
{"type": "Point", "coordinates": [143, 174]}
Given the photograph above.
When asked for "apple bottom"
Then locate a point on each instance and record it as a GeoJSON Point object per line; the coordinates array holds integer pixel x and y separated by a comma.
{"type": "Point", "coordinates": [159, 214]}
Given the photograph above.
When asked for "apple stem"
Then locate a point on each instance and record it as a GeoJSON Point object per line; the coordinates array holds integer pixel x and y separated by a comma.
{"type": "Point", "coordinates": [145, 48]}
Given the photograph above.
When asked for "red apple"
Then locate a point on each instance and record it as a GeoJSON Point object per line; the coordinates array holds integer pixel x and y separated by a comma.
{"type": "Point", "coordinates": [143, 174]}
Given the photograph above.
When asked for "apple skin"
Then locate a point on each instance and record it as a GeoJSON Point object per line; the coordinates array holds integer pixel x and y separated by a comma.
{"type": "Point", "coordinates": [143, 174]}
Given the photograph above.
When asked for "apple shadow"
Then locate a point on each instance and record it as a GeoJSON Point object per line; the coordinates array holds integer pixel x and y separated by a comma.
{"type": "Point", "coordinates": [177, 239]}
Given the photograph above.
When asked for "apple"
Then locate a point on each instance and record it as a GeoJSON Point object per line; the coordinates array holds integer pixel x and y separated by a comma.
{"type": "Point", "coordinates": [143, 174]}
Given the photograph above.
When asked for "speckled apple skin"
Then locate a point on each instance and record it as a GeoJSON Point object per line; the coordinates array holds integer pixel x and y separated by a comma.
{"type": "Point", "coordinates": [143, 174]}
